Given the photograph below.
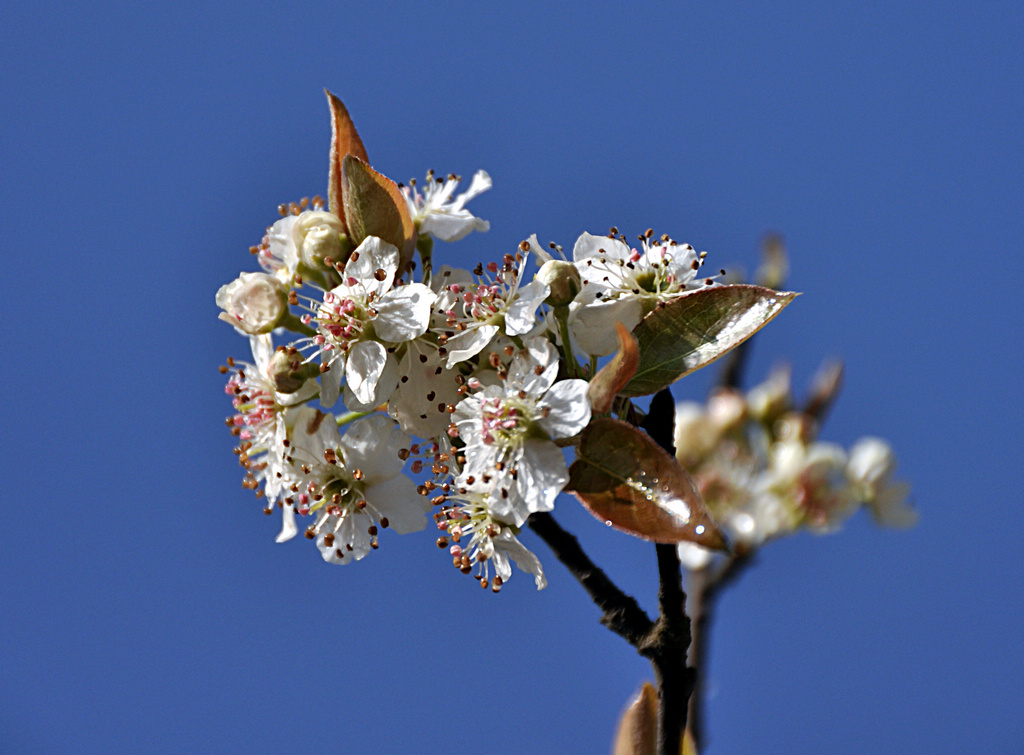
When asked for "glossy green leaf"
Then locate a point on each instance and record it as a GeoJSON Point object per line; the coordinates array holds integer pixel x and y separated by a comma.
{"type": "Point", "coordinates": [614, 376]}
{"type": "Point", "coordinates": [687, 333]}
{"type": "Point", "coordinates": [344, 141]}
{"type": "Point", "coordinates": [629, 482]}
{"type": "Point", "coordinates": [374, 206]}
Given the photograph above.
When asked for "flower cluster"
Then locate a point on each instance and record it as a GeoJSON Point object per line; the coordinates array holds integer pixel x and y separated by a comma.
{"type": "Point", "coordinates": [763, 474]}
{"type": "Point", "coordinates": [459, 392]}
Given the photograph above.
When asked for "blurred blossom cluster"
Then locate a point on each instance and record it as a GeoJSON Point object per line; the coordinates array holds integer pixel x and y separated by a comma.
{"type": "Point", "coordinates": [763, 473]}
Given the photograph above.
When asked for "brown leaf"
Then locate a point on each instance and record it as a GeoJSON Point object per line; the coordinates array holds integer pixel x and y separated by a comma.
{"type": "Point", "coordinates": [614, 376]}
{"type": "Point", "coordinates": [638, 727]}
{"type": "Point", "coordinates": [344, 141]}
{"type": "Point", "coordinates": [374, 206]}
{"type": "Point", "coordinates": [629, 482]}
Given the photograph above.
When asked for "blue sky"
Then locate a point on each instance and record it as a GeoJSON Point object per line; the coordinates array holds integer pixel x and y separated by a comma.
{"type": "Point", "coordinates": [146, 607]}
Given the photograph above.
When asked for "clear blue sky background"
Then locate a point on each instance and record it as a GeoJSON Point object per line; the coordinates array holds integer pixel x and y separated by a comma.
{"type": "Point", "coordinates": [144, 147]}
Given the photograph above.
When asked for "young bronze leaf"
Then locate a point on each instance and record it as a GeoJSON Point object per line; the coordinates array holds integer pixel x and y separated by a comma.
{"type": "Point", "coordinates": [375, 207]}
{"type": "Point", "coordinates": [344, 141]}
{"type": "Point", "coordinates": [613, 377]}
{"type": "Point", "coordinates": [626, 480]}
{"type": "Point", "coordinates": [638, 727]}
{"type": "Point", "coordinates": [687, 333]}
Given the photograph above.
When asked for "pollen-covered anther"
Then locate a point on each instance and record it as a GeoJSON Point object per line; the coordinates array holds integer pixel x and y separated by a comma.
{"type": "Point", "coordinates": [329, 539]}
{"type": "Point", "coordinates": [442, 542]}
{"type": "Point", "coordinates": [361, 504]}
{"type": "Point", "coordinates": [310, 533]}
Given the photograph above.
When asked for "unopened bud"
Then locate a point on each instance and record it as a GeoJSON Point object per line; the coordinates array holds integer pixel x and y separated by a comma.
{"type": "Point", "coordinates": [253, 302]}
{"type": "Point", "coordinates": [563, 279]}
{"type": "Point", "coordinates": [318, 235]}
{"type": "Point", "coordinates": [288, 372]}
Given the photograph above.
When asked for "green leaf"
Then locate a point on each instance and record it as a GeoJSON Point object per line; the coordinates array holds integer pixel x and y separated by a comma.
{"type": "Point", "coordinates": [687, 333]}
{"type": "Point", "coordinates": [344, 141]}
{"type": "Point", "coordinates": [374, 206]}
{"type": "Point", "coordinates": [627, 481]}
{"type": "Point", "coordinates": [614, 376]}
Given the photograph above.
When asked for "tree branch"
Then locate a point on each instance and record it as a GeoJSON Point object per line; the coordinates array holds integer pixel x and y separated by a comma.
{"type": "Point", "coordinates": [620, 612]}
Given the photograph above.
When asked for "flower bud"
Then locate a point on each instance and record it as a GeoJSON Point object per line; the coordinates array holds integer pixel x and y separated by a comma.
{"type": "Point", "coordinates": [253, 302]}
{"type": "Point", "coordinates": [288, 372]}
{"type": "Point", "coordinates": [317, 235]}
{"type": "Point", "coordinates": [563, 279]}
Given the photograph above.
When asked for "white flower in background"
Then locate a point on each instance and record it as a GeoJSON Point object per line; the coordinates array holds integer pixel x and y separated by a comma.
{"type": "Point", "coordinates": [476, 313]}
{"type": "Point", "coordinates": [508, 430]}
{"type": "Point", "coordinates": [261, 425]}
{"type": "Point", "coordinates": [435, 212]}
{"type": "Point", "coordinates": [622, 284]}
{"type": "Point", "coordinates": [491, 541]}
{"type": "Point", "coordinates": [352, 483]}
{"type": "Point", "coordinates": [870, 471]}
{"type": "Point", "coordinates": [253, 302]}
{"type": "Point", "coordinates": [361, 319]}
{"type": "Point", "coordinates": [809, 478]}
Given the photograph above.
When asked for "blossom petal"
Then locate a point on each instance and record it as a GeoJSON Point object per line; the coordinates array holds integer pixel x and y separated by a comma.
{"type": "Point", "coordinates": [365, 364]}
{"type": "Point", "coordinates": [288, 528]}
{"type": "Point", "coordinates": [370, 256]}
{"type": "Point", "coordinates": [398, 500]}
{"type": "Point", "coordinates": [403, 313]}
{"type": "Point", "coordinates": [371, 445]}
{"type": "Point", "coordinates": [522, 313]}
{"type": "Point", "coordinates": [593, 325]}
{"type": "Point", "coordinates": [469, 343]}
{"type": "Point", "coordinates": [524, 558]}
{"type": "Point", "coordinates": [589, 246]}
{"type": "Point", "coordinates": [568, 408]}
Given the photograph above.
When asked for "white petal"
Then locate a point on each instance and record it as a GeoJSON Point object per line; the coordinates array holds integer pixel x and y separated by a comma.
{"type": "Point", "coordinates": [403, 313]}
{"type": "Point", "coordinates": [371, 445]}
{"type": "Point", "coordinates": [569, 408]}
{"type": "Point", "coordinates": [372, 255]}
{"type": "Point", "coordinates": [541, 475]}
{"type": "Point", "coordinates": [593, 325]}
{"type": "Point", "coordinates": [398, 500]}
{"type": "Point", "coordinates": [366, 362]}
{"type": "Point", "coordinates": [522, 373]}
{"type": "Point", "coordinates": [481, 182]}
{"type": "Point", "coordinates": [330, 381]}
{"type": "Point", "coordinates": [589, 246]}
{"type": "Point", "coordinates": [524, 558]}
{"type": "Point", "coordinates": [453, 227]}
{"type": "Point", "coordinates": [521, 315]}
{"type": "Point", "coordinates": [288, 528]}
{"type": "Point", "coordinates": [469, 343]}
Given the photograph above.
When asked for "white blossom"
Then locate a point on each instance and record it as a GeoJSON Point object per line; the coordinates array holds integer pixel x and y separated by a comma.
{"type": "Point", "coordinates": [508, 430]}
{"type": "Point", "coordinates": [360, 321]}
{"type": "Point", "coordinates": [622, 284]}
{"type": "Point", "coordinates": [435, 212]}
{"type": "Point", "coordinates": [474, 314]}
{"type": "Point", "coordinates": [262, 425]}
{"type": "Point", "coordinates": [870, 470]}
{"type": "Point", "coordinates": [253, 302]}
{"type": "Point", "coordinates": [491, 541]}
{"type": "Point", "coordinates": [352, 483]}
